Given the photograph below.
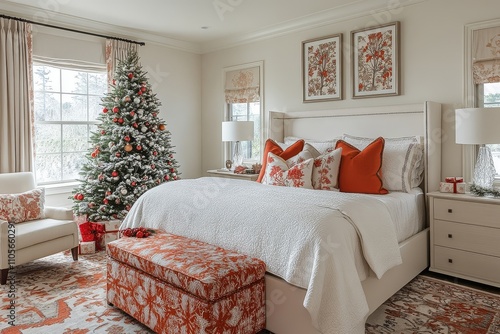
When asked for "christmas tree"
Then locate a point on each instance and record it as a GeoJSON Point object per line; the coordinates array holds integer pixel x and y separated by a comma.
{"type": "Point", "coordinates": [130, 151]}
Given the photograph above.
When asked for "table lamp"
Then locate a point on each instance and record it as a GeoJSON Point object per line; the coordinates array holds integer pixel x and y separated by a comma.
{"type": "Point", "coordinates": [479, 126]}
{"type": "Point", "coordinates": [237, 131]}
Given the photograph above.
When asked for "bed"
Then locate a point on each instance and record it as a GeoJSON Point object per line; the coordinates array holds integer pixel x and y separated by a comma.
{"type": "Point", "coordinates": [382, 270]}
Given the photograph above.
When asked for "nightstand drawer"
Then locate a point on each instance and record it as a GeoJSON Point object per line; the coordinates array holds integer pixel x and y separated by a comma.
{"type": "Point", "coordinates": [479, 239]}
{"type": "Point", "coordinates": [467, 212]}
{"type": "Point", "coordinates": [466, 263]}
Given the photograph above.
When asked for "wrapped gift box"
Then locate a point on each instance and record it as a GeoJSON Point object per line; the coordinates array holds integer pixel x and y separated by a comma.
{"type": "Point", "coordinates": [112, 228]}
{"type": "Point", "coordinates": [86, 247]}
{"type": "Point", "coordinates": [446, 187]}
{"type": "Point", "coordinates": [91, 231]}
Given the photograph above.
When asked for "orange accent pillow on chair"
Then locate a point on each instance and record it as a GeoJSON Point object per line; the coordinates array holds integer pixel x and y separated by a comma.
{"type": "Point", "coordinates": [273, 147]}
{"type": "Point", "coordinates": [360, 170]}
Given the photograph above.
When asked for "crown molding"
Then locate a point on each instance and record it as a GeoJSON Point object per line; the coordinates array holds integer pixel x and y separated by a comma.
{"type": "Point", "coordinates": [350, 11]}
{"type": "Point", "coordinates": [357, 9]}
{"type": "Point", "coordinates": [74, 22]}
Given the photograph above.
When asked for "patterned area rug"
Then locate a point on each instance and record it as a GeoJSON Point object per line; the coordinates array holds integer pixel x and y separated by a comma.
{"type": "Point", "coordinates": [57, 295]}
{"type": "Point", "coordinates": [429, 305]}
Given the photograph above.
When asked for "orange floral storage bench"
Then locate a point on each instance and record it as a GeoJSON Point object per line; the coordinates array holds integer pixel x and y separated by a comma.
{"type": "Point", "coordinates": [174, 284]}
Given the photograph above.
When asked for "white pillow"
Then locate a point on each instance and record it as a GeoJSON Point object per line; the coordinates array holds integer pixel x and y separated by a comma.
{"type": "Point", "coordinates": [402, 165]}
{"type": "Point", "coordinates": [279, 174]}
{"type": "Point", "coordinates": [321, 145]}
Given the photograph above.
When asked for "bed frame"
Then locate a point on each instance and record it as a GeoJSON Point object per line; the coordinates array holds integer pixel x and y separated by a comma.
{"type": "Point", "coordinates": [285, 312]}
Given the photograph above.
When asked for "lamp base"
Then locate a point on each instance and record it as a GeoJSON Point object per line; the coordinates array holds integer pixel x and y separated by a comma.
{"type": "Point", "coordinates": [484, 172]}
{"type": "Point", "coordinates": [237, 154]}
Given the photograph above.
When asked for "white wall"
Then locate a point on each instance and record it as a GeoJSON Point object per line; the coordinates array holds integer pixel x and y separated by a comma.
{"type": "Point", "coordinates": [432, 62]}
{"type": "Point", "coordinates": [175, 77]}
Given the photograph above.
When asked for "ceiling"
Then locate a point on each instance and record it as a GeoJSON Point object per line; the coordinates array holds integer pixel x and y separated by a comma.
{"type": "Point", "coordinates": [200, 25]}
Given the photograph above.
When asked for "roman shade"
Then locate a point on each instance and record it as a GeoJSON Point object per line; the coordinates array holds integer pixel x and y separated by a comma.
{"type": "Point", "coordinates": [243, 86]}
{"type": "Point", "coordinates": [486, 55]}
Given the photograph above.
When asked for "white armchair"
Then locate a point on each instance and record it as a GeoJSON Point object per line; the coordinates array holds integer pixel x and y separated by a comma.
{"type": "Point", "coordinates": [34, 239]}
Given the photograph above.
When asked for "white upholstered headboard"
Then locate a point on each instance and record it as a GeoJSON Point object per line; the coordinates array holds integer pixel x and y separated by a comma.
{"type": "Point", "coordinates": [422, 119]}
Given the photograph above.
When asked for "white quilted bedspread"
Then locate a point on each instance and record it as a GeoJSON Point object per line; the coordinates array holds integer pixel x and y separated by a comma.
{"type": "Point", "coordinates": [307, 237]}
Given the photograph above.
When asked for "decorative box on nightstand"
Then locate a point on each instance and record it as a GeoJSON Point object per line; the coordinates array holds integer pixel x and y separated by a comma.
{"type": "Point", "coordinates": [465, 237]}
{"type": "Point", "coordinates": [230, 174]}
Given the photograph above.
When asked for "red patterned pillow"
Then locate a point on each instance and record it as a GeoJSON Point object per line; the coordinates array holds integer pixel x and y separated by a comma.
{"type": "Point", "coordinates": [18, 208]}
{"type": "Point", "coordinates": [273, 147]}
{"type": "Point", "coordinates": [279, 174]}
{"type": "Point", "coordinates": [326, 170]}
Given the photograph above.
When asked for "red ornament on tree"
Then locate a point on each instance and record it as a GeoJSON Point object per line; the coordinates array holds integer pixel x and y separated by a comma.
{"type": "Point", "coordinates": [166, 177]}
{"type": "Point", "coordinates": [103, 132]}
{"type": "Point", "coordinates": [130, 75]}
{"type": "Point", "coordinates": [120, 120]}
{"type": "Point", "coordinates": [105, 201]}
{"type": "Point", "coordinates": [155, 153]}
{"type": "Point", "coordinates": [132, 113]}
{"type": "Point", "coordinates": [133, 183]}
{"type": "Point", "coordinates": [118, 154]}
{"type": "Point", "coordinates": [79, 197]}
{"type": "Point", "coordinates": [138, 147]}
{"type": "Point", "coordinates": [115, 120]}
{"type": "Point", "coordinates": [143, 89]}
{"type": "Point", "coordinates": [116, 110]}
{"type": "Point", "coordinates": [135, 125]}
{"type": "Point", "coordinates": [114, 173]}
{"type": "Point", "coordinates": [105, 110]}
{"type": "Point", "coordinates": [139, 92]}
{"type": "Point", "coordinates": [126, 138]}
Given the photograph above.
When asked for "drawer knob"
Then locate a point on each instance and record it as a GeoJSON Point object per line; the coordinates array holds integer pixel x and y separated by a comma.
{"type": "Point", "coordinates": [450, 210]}
{"type": "Point", "coordinates": [450, 235]}
{"type": "Point", "coordinates": [450, 260]}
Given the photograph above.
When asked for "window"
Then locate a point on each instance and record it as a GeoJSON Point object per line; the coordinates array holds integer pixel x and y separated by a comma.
{"type": "Point", "coordinates": [489, 96]}
{"type": "Point", "coordinates": [67, 102]}
{"type": "Point", "coordinates": [244, 102]}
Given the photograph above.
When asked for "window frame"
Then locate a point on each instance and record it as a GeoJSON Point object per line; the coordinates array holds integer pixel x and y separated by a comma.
{"type": "Point", "coordinates": [88, 122]}
{"type": "Point", "coordinates": [472, 97]}
{"type": "Point", "coordinates": [227, 146]}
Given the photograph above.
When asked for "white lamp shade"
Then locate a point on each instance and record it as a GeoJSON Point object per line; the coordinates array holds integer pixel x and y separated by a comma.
{"type": "Point", "coordinates": [477, 126]}
{"type": "Point", "coordinates": [237, 131]}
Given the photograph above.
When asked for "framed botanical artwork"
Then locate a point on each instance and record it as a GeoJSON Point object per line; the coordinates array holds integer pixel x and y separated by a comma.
{"type": "Point", "coordinates": [322, 68]}
{"type": "Point", "coordinates": [375, 61]}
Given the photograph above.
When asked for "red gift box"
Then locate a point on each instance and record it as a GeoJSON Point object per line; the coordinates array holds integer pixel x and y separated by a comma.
{"type": "Point", "coordinates": [93, 232]}
{"type": "Point", "coordinates": [454, 180]}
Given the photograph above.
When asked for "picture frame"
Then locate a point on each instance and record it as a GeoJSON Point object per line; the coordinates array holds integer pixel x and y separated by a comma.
{"type": "Point", "coordinates": [322, 69]}
{"type": "Point", "coordinates": [375, 61]}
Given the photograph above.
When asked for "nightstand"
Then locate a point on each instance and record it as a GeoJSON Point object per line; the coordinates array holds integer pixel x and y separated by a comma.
{"type": "Point", "coordinates": [230, 174]}
{"type": "Point", "coordinates": [465, 236]}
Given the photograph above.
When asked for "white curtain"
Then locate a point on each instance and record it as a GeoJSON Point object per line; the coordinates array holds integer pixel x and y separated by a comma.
{"type": "Point", "coordinates": [116, 50]}
{"type": "Point", "coordinates": [243, 86]}
{"type": "Point", "coordinates": [486, 55]}
{"type": "Point", "coordinates": [16, 97]}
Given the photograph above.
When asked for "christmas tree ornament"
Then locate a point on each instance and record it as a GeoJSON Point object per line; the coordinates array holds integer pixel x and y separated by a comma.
{"type": "Point", "coordinates": [132, 113]}
{"type": "Point", "coordinates": [137, 100]}
{"type": "Point", "coordinates": [138, 147]}
{"type": "Point", "coordinates": [105, 201]}
{"type": "Point", "coordinates": [115, 119]}
{"type": "Point", "coordinates": [120, 120]}
{"type": "Point", "coordinates": [161, 127]}
{"type": "Point", "coordinates": [103, 132]}
{"type": "Point", "coordinates": [135, 125]}
{"type": "Point", "coordinates": [105, 110]}
{"type": "Point", "coordinates": [130, 75]}
{"type": "Point", "coordinates": [118, 154]}
{"type": "Point", "coordinates": [116, 110]}
{"type": "Point", "coordinates": [144, 129]}
{"type": "Point", "coordinates": [126, 138]}
{"type": "Point", "coordinates": [123, 191]}
{"type": "Point", "coordinates": [126, 99]}
{"type": "Point", "coordinates": [139, 92]}
{"type": "Point", "coordinates": [114, 173]}
{"type": "Point", "coordinates": [128, 148]}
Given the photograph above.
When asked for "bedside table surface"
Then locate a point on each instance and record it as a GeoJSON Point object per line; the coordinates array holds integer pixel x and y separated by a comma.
{"type": "Point", "coordinates": [231, 174]}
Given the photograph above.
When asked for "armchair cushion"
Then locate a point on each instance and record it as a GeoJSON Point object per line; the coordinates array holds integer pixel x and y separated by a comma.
{"type": "Point", "coordinates": [37, 231]}
{"type": "Point", "coordinates": [23, 207]}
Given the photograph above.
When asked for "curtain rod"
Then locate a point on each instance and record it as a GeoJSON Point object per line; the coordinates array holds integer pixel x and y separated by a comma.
{"type": "Point", "coordinates": [72, 30]}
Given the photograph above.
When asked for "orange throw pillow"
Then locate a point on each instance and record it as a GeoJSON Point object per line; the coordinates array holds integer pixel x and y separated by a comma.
{"type": "Point", "coordinates": [273, 147]}
{"type": "Point", "coordinates": [360, 170]}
